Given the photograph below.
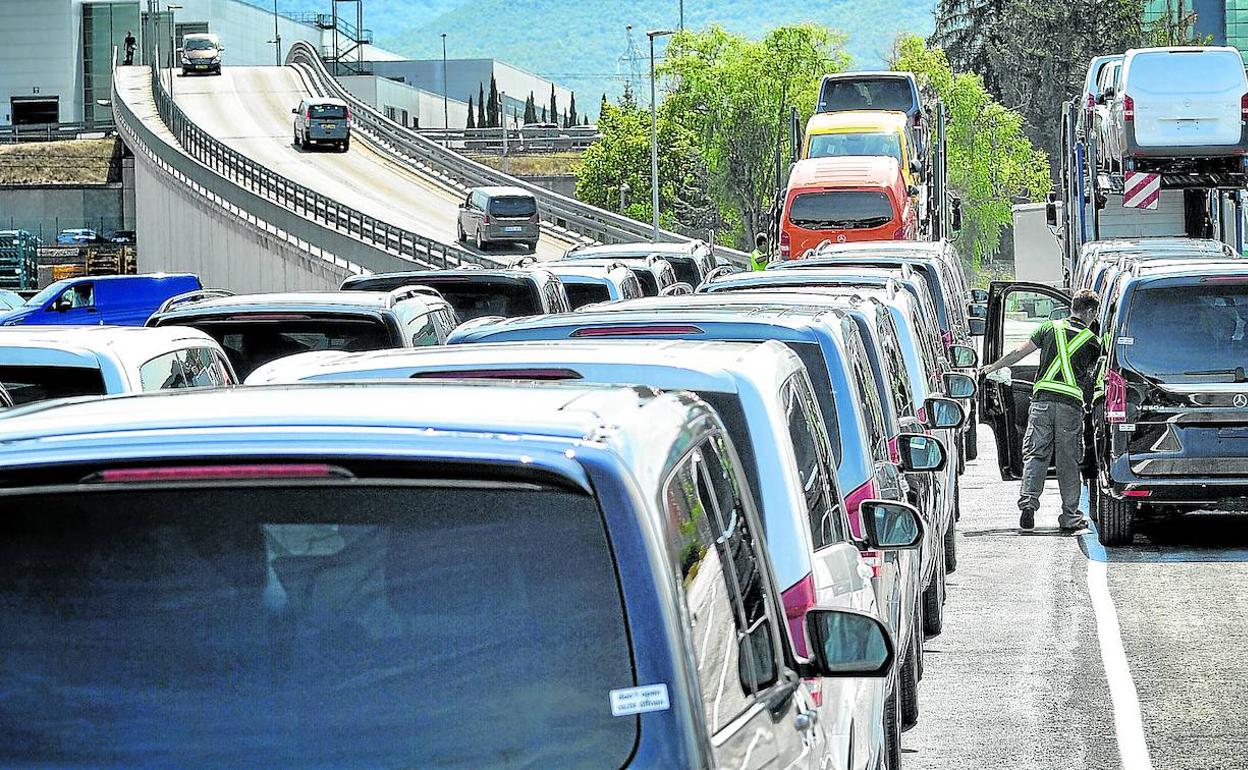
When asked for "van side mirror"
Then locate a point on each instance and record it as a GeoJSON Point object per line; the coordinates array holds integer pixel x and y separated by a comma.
{"type": "Point", "coordinates": [846, 643]}
{"type": "Point", "coordinates": [943, 413]}
{"type": "Point", "coordinates": [978, 326]}
{"type": "Point", "coordinates": [921, 453]}
{"type": "Point", "coordinates": [912, 190]}
{"type": "Point", "coordinates": [294, 111]}
{"type": "Point", "coordinates": [979, 296]}
{"type": "Point", "coordinates": [62, 304]}
{"type": "Point", "coordinates": [1050, 210]}
{"type": "Point", "coordinates": [977, 310]}
{"type": "Point", "coordinates": [964, 356]}
{"type": "Point", "coordinates": [916, 166]}
{"type": "Point", "coordinates": [959, 385]}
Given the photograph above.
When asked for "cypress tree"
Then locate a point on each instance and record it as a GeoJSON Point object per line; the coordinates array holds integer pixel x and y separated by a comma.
{"type": "Point", "coordinates": [554, 109]}
{"type": "Point", "coordinates": [471, 122]}
{"type": "Point", "coordinates": [493, 114]}
{"type": "Point", "coordinates": [572, 119]}
{"type": "Point", "coordinates": [543, 113]}
{"type": "Point", "coordinates": [480, 106]}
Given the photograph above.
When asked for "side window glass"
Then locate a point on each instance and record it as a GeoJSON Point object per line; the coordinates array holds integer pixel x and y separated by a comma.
{"type": "Point", "coordinates": [714, 616]}
{"type": "Point", "coordinates": [899, 386]}
{"type": "Point", "coordinates": [760, 668]}
{"type": "Point", "coordinates": [1025, 311]}
{"type": "Point", "coordinates": [421, 330]}
{"type": "Point", "coordinates": [189, 368]}
{"type": "Point", "coordinates": [813, 467]}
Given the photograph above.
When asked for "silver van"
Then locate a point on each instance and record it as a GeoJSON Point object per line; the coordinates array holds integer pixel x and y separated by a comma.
{"type": "Point", "coordinates": [322, 122]}
{"type": "Point", "coordinates": [492, 215]}
{"type": "Point", "coordinates": [200, 52]}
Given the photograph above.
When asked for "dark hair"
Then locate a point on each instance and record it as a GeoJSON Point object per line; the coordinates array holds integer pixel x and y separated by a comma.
{"type": "Point", "coordinates": [1085, 303]}
{"type": "Point", "coordinates": [760, 240]}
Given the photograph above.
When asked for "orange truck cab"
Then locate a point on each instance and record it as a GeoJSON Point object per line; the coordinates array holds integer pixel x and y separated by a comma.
{"type": "Point", "coordinates": [844, 200]}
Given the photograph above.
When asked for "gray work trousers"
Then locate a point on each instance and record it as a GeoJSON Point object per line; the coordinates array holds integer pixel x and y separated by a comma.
{"type": "Point", "coordinates": [1053, 428]}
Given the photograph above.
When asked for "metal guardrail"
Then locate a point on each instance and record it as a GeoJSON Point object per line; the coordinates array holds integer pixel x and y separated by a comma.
{"type": "Point", "coordinates": [449, 167]}
{"type": "Point", "coordinates": [299, 199]}
{"type": "Point", "coordinates": [53, 132]}
{"type": "Point", "coordinates": [519, 140]}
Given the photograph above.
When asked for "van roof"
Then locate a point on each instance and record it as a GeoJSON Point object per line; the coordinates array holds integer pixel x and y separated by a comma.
{"type": "Point", "coordinates": [310, 301]}
{"type": "Point", "coordinates": [857, 120]}
{"type": "Point", "coordinates": [501, 190]}
{"type": "Point", "coordinates": [82, 346]}
{"type": "Point", "coordinates": [846, 172]}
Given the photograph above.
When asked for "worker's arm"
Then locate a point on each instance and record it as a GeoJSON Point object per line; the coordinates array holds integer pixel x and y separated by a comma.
{"type": "Point", "coordinates": [1013, 357]}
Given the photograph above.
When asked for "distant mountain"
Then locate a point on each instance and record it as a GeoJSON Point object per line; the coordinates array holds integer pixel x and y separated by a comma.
{"type": "Point", "coordinates": [579, 43]}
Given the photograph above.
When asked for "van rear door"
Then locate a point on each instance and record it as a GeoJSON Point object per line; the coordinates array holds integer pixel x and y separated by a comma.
{"type": "Point", "coordinates": [1186, 98]}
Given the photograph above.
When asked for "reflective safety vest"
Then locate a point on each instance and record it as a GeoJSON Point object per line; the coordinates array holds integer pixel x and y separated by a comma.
{"type": "Point", "coordinates": [1060, 376]}
{"type": "Point", "coordinates": [758, 260]}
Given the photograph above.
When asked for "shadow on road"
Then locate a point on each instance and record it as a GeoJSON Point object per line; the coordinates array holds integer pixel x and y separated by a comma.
{"type": "Point", "coordinates": [1207, 536]}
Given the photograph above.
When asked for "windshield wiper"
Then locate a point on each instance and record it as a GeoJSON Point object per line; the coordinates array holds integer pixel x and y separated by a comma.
{"type": "Point", "coordinates": [1238, 373]}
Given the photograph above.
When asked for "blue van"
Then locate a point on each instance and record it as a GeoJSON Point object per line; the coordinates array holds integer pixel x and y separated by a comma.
{"type": "Point", "coordinates": [111, 300]}
{"type": "Point", "coordinates": [403, 575]}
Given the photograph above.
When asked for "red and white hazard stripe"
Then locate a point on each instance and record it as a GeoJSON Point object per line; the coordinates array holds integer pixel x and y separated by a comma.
{"type": "Point", "coordinates": [1140, 191]}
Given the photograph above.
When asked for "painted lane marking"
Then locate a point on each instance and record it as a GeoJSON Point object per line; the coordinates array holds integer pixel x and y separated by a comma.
{"type": "Point", "coordinates": [1128, 724]}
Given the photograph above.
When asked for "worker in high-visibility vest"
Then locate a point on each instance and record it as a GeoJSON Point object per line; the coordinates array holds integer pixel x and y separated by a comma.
{"type": "Point", "coordinates": [1069, 351]}
{"type": "Point", "coordinates": [758, 257]}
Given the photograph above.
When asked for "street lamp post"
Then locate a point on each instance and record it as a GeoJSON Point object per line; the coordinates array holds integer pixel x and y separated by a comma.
{"type": "Point", "coordinates": [277, 38]}
{"type": "Point", "coordinates": [173, 47]}
{"type": "Point", "coordinates": [654, 135]}
{"type": "Point", "coordinates": [502, 120]}
{"type": "Point", "coordinates": [446, 113]}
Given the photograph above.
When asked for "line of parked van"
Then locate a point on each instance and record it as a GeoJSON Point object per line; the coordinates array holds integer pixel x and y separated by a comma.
{"type": "Point", "coordinates": [627, 522]}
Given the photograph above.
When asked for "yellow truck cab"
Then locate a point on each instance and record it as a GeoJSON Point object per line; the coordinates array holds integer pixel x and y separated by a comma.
{"type": "Point", "coordinates": [864, 133]}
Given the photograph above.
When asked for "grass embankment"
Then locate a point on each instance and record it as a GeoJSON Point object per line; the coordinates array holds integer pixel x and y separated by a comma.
{"type": "Point", "coordinates": [71, 162]}
{"type": "Point", "coordinates": [535, 164]}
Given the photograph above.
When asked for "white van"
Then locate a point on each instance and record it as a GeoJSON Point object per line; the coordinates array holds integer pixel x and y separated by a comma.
{"type": "Point", "coordinates": [1181, 103]}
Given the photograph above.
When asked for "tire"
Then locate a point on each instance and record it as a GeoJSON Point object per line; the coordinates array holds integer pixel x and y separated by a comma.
{"type": "Point", "coordinates": [909, 676]}
{"type": "Point", "coordinates": [479, 243]}
{"type": "Point", "coordinates": [892, 730]}
{"type": "Point", "coordinates": [345, 146]}
{"type": "Point", "coordinates": [460, 235]}
{"type": "Point", "coordinates": [933, 607]}
{"type": "Point", "coordinates": [532, 247]}
{"type": "Point", "coordinates": [951, 544]}
{"type": "Point", "coordinates": [971, 445]}
{"type": "Point", "coordinates": [1117, 521]}
{"type": "Point", "coordinates": [1094, 499]}
{"type": "Point", "coordinates": [917, 633]}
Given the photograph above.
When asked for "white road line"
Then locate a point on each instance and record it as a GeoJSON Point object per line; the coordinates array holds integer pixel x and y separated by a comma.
{"type": "Point", "coordinates": [1128, 725]}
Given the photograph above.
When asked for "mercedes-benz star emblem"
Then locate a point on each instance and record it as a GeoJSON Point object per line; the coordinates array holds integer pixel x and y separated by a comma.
{"type": "Point", "coordinates": [840, 239]}
{"type": "Point", "coordinates": [1240, 400]}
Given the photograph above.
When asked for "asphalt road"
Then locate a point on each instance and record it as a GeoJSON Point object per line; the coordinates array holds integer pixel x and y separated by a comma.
{"type": "Point", "coordinates": [1034, 622]}
{"type": "Point", "coordinates": [249, 109]}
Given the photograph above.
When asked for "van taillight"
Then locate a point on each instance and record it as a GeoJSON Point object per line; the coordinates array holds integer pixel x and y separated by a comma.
{"type": "Point", "coordinates": [1091, 103]}
{"type": "Point", "coordinates": [218, 473]}
{"type": "Point", "coordinates": [798, 600]}
{"type": "Point", "coordinates": [786, 245]}
{"type": "Point", "coordinates": [1243, 107]}
{"type": "Point", "coordinates": [1128, 108]}
{"type": "Point", "coordinates": [485, 220]}
{"type": "Point", "coordinates": [308, 117]}
{"type": "Point", "coordinates": [1115, 397]}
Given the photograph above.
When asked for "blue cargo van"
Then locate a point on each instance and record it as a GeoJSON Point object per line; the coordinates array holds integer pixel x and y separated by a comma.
{"type": "Point", "coordinates": [113, 300]}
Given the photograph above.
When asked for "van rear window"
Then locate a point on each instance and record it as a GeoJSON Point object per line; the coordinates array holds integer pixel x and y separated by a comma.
{"type": "Point", "coordinates": [28, 384]}
{"type": "Point", "coordinates": [841, 210]}
{"type": "Point", "coordinates": [513, 206]}
{"type": "Point", "coordinates": [508, 299]}
{"type": "Point", "coordinates": [250, 344]}
{"type": "Point", "coordinates": [867, 94]}
{"type": "Point", "coordinates": [581, 294]}
{"type": "Point", "coordinates": [1184, 73]}
{"type": "Point", "coordinates": [1192, 333]}
{"type": "Point", "coordinates": [327, 111]}
{"type": "Point", "coordinates": [371, 625]}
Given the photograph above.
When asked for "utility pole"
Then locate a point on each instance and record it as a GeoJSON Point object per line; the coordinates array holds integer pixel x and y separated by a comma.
{"type": "Point", "coordinates": [654, 135]}
{"type": "Point", "coordinates": [502, 115]}
{"type": "Point", "coordinates": [682, 15]}
{"type": "Point", "coordinates": [173, 48]}
{"type": "Point", "coordinates": [446, 115]}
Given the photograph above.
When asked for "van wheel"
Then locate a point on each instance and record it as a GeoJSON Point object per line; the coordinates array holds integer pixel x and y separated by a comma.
{"type": "Point", "coordinates": [1117, 521]}
{"type": "Point", "coordinates": [892, 730]}
{"type": "Point", "coordinates": [479, 243]}
{"type": "Point", "coordinates": [909, 676]}
{"type": "Point", "coordinates": [346, 145]}
{"type": "Point", "coordinates": [951, 543]}
{"type": "Point", "coordinates": [933, 607]}
{"type": "Point", "coordinates": [1094, 499]}
{"type": "Point", "coordinates": [460, 235]}
{"type": "Point", "coordinates": [917, 632]}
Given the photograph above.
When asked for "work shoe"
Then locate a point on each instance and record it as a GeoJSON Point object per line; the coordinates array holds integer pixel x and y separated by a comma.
{"type": "Point", "coordinates": [1027, 519]}
{"type": "Point", "coordinates": [1078, 526]}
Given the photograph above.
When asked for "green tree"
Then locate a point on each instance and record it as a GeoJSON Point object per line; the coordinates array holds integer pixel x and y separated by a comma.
{"type": "Point", "coordinates": [493, 113]}
{"type": "Point", "coordinates": [480, 106]}
{"type": "Point", "coordinates": [735, 95]}
{"type": "Point", "coordinates": [554, 109]}
{"type": "Point", "coordinates": [471, 122]}
{"type": "Point", "coordinates": [991, 161]}
{"type": "Point", "coordinates": [1033, 55]}
{"type": "Point", "coordinates": [572, 119]}
{"type": "Point", "coordinates": [622, 156]}
{"type": "Point", "coordinates": [530, 109]}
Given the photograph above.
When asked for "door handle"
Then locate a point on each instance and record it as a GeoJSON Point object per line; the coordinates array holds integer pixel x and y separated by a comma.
{"type": "Point", "coordinates": [805, 720]}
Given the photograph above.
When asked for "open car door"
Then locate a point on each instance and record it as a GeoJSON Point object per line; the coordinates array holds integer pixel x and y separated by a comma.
{"type": "Point", "coordinates": [1015, 310]}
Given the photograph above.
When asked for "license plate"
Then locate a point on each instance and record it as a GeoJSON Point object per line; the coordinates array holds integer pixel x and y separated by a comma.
{"type": "Point", "coordinates": [1188, 125]}
{"type": "Point", "coordinates": [512, 229]}
{"type": "Point", "coordinates": [327, 126]}
{"type": "Point", "coordinates": [201, 66]}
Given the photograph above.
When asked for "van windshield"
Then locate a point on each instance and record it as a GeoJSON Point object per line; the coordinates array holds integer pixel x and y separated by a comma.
{"type": "Point", "coordinates": [866, 144]}
{"type": "Point", "coordinates": [841, 210]}
{"type": "Point", "coordinates": [371, 625]}
{"type": "Point", "coordinates": [1192, 333]}
{"type": "Point", "coordinates": [199, 44]}
{"type": "Point", "coordinates": [27, 384]}
{"type": "Point", "coordinates": [867, 94]}
{"type": "Point", "coordinates": [513, 206]}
